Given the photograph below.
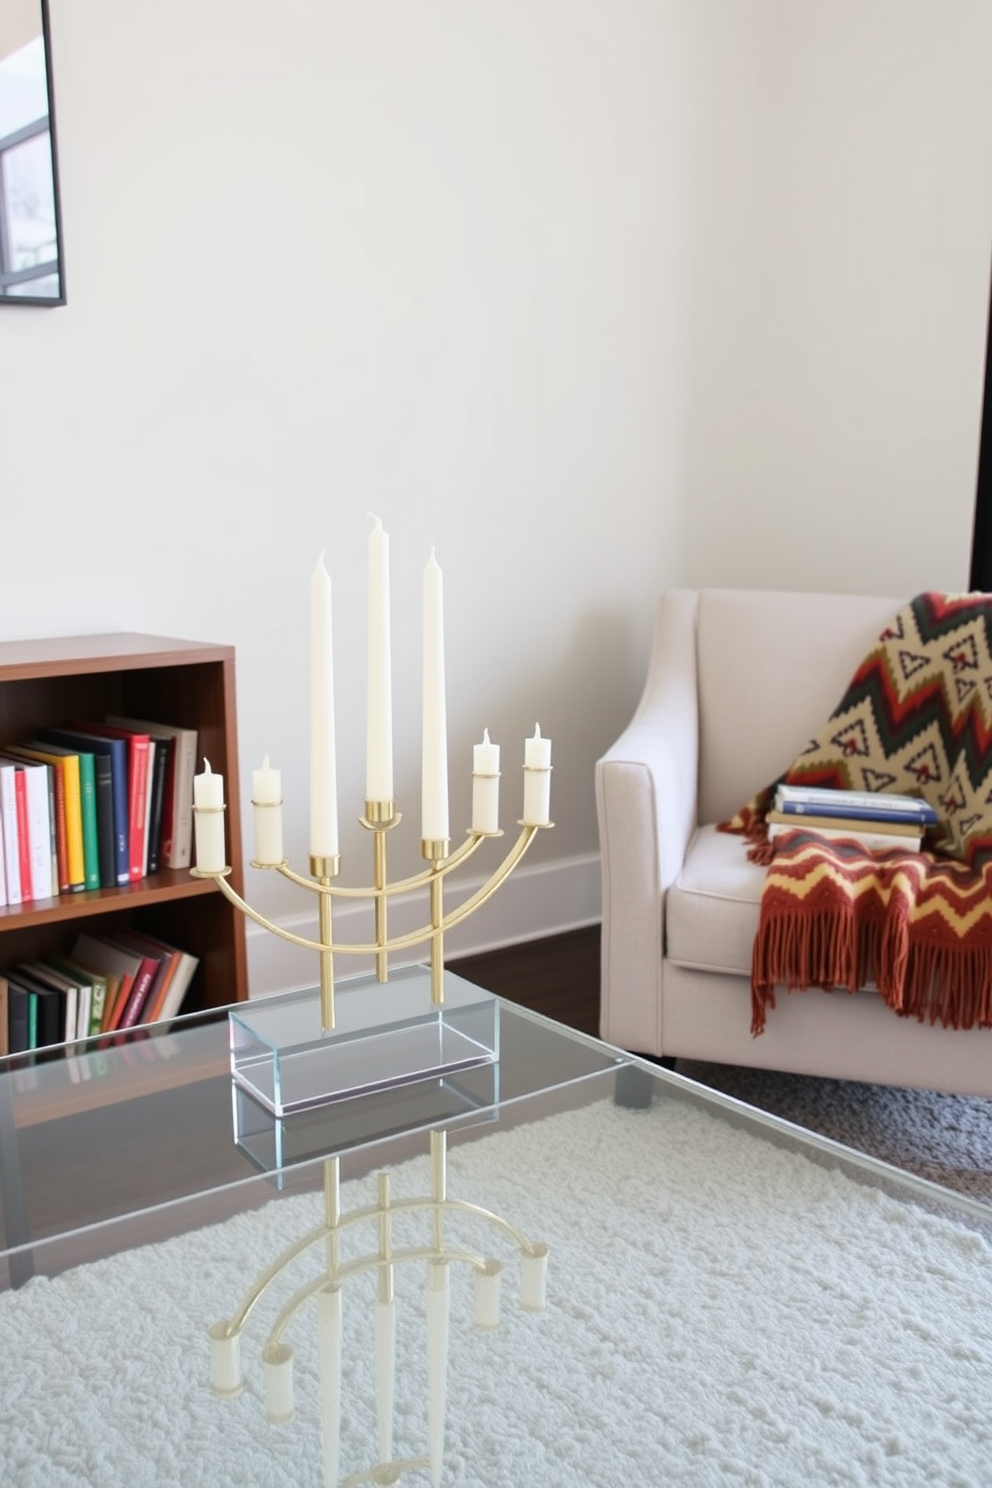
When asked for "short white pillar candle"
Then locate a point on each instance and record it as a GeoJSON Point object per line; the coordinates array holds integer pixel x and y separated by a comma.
{"type": "Point", "coordinates": [537, 780]}
{"type": "Point", "coordinates": [485, 786]}
{"type": "Point", "coordinates": [487, 1294]}
{"type": "Point", "coordinates": [533, 1278]}
{"type": "Point", "coordinates": [208, 800]}
{"type": "Point", "coordinates": [225, 1361]}
{"type": "Point", "coordinates": [266, 795]}
{"type": "Point", "coordinates": [279, 1406]}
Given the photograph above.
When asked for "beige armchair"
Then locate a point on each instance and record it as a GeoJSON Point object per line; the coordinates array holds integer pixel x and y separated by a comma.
{"type": "Point", "coordinates": [738, 681]}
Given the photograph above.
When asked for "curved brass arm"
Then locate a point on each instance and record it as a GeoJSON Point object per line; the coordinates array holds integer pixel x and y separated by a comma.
{"type": "Point", "coordinates": [401, 885]}
{"type": "Point", "coordinates": [399, 942]}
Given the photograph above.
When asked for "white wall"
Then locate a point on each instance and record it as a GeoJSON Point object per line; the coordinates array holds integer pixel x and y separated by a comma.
{"type": "Point", "coordinates": [841, 365]}
{"type": "Point", "coordinates": [596, 298]}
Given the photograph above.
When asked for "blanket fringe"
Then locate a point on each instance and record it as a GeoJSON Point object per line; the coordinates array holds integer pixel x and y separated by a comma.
{"type": "Point", "coordinates": [946, 984]}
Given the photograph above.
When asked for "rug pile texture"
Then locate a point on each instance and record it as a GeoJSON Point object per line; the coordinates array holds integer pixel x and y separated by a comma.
{"type": "Point", "coordinates": [721, 1311]}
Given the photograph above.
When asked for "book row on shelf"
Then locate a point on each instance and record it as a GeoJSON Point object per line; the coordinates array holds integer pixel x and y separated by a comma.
{"type": "Point", "coordinates": [94, 805]}
{"type": "Point", "coordinates": [103, 984]}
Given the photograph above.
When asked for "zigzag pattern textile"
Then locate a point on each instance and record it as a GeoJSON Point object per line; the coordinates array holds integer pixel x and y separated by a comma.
{"type": "Point", "coordinates": [916, 718]}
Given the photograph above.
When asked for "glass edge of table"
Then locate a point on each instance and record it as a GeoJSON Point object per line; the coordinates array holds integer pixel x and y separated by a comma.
{"type": "Point", "coordinates": [861, 1166]}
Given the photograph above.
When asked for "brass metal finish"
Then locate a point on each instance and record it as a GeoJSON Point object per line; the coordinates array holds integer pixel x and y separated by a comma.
{"type": "Point", "coordinates": [380, 818]}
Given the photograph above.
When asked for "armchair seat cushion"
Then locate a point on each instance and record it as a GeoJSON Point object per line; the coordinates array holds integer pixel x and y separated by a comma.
{"type": "Point", "coordinates": [711, 914]}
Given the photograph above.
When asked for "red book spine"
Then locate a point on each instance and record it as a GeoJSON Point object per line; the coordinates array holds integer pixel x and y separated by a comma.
{"type": "Point", "coordinates": [139, 992]}
{"type": "Point", "coordinates": [28, 888]}
{"type": "Point", "coordinates": [137, 778]}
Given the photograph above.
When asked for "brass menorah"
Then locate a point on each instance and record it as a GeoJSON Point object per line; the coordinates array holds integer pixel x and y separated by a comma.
{"type": "Point", "coordinates": [380, 818]}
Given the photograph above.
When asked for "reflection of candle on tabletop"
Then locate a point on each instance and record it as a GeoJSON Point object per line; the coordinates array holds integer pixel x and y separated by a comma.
{"type": "Point", "coordinates": [379, 743]}
{"type": "Point", "coordinates": [208, 799]}
{"type": "Point", "coordinates": [266, 795]}
{"type": "Point", "coordinates": [323, 785]}
{"type": "Point", "coordinates": [485, 785]}
{"type": "Point", "coordinates": [434, 765]}
{"type": "Point", "coordinates": [537, 780]}
{"type": "Point", "coordinates": [438, 1327]}
{"type": "Point", "coordinates": [329, 1365]}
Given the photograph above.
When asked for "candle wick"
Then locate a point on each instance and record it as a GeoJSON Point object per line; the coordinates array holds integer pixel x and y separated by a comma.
{"type": "Point", "coordinates": [485, 736]}
{"type": "Point", "coordinates": [537, 731]}
{"type": "Point", "coordinates": [265, 763]}
{"type": "Point", "coordinates": [206, 766]}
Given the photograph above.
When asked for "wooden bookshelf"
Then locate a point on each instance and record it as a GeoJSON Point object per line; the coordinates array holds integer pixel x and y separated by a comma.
{"type": "Point", "coordinates": [45, 683]}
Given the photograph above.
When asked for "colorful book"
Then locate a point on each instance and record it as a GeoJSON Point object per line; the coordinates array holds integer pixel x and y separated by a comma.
{"type": "Point", "coordinates": [76, 1005]}
{"type": "Point", "coordinates": [177, 804]}
{"type": "Point", "coordinates": [46, 1009]}
{"type": "Point", "coordinates": [97, 952]}
{"type": "Point", "coordinates": [3, 866]}
{"type": "Point", "coordinates": [88, 820]}
{"type": "Point", "coordinates": [164, 748]}
{"type": "Point", "coordinates": [842, 812]}
{"type": "Point", "coordinates": [68, 813]}
{"type": "Point", "coordinates": [34, 825]}
{"type": "Point", "coordinates": [86, 977]}
{"type": "Point", "coordinates": [874, 836]}
{"type": "Point", "coordinates": [176, 973]}
{"type": "Point", "coordinates": [867, 804]}
{"type": "Point", "coordinates": [144, 979]}
{"type": "Point", "coordinates": [110, 765]}
{"type": "Point", "coordinates": [137, 744]}
{"type": "Point", "coordinates": [22, 1017]}
{"type": "Point", "coordinates": [8, 816]}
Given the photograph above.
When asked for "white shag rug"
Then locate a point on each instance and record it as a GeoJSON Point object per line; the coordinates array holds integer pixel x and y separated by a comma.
{"type": "Point", "coordinates": [946, 1139]}
{"type": "Point", "coordinates": [720, 1312]}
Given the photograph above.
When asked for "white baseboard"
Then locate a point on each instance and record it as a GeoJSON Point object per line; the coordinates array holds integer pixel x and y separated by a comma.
{"type": "Point", "coordinates": [547, 899]}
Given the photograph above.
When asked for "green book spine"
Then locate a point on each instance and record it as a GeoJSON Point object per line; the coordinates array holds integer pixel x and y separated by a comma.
{"type": "Point", "coordinates": [91, 841]}
{"type": "Point", "coordinates": [32, 1020]}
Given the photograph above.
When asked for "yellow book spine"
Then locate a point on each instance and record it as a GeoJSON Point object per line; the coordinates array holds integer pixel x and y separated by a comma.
{"type": "Point", "coordinates": [73, 820]}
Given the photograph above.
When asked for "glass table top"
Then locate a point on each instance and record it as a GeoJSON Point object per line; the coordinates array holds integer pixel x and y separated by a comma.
{"type": "Point", "coordinates": [572, 1268]}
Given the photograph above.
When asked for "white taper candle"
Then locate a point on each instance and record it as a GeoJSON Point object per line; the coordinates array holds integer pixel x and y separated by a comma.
{"type": "Point", "coordinates": [434, 767]}
{"type": "Point", "coordinates": [323, 783]}
{"type": "Point", "coordinates": [379, 740]}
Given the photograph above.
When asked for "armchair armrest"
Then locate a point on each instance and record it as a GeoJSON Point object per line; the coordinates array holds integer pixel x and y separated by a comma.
{"type": "Point", "coordinates": [646, 787]}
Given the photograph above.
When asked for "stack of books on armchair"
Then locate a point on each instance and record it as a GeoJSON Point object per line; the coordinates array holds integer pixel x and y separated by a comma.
{"type": "Point", "coordinates": [879, 821]}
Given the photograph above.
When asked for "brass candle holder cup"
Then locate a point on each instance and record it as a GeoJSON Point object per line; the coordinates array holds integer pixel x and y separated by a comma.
{"type": "Point", "coordinates": [303, 1049]}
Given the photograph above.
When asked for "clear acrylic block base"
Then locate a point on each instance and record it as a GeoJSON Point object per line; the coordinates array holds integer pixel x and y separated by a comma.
{"type": "Point", "coordinates": [386, 1034]}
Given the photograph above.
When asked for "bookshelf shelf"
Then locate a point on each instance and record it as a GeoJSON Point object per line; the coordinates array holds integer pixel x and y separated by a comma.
{"type": "Point", "coordinates": [46, 683]}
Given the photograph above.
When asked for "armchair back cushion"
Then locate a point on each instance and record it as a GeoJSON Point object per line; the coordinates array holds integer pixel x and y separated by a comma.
{"type": "Point", "coordinates": [771, 666]}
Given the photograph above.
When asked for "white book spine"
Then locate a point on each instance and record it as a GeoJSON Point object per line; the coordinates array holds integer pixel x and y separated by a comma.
{"type": "Point", "coordinates": [873, 841]}
{"type": "Point", "coordinates": [8, 811]}
{"type": "Point", "coordinates": [40, 833]}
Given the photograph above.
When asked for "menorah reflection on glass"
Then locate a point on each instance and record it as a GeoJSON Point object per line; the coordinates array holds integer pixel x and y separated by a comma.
{"type": "Point", "coordinates": [326, 1291]}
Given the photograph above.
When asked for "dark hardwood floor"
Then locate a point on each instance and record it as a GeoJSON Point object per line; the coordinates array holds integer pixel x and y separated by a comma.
{"type": "Point", "coordinates": [557, 976]}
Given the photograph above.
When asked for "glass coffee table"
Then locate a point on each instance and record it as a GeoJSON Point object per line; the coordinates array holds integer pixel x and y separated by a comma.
{"type": "Point", "coordinates": [570, 1267]}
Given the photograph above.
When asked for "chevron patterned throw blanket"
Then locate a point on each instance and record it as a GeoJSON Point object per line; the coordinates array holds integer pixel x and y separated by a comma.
{"type": "Point", "coordinates": [915, 719]}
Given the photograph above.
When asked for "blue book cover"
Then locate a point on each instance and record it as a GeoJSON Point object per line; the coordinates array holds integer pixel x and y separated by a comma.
{"type": "Point", "coordinates": [843, 812]}
{"type": "Point", "coordinates": [115, 751]}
